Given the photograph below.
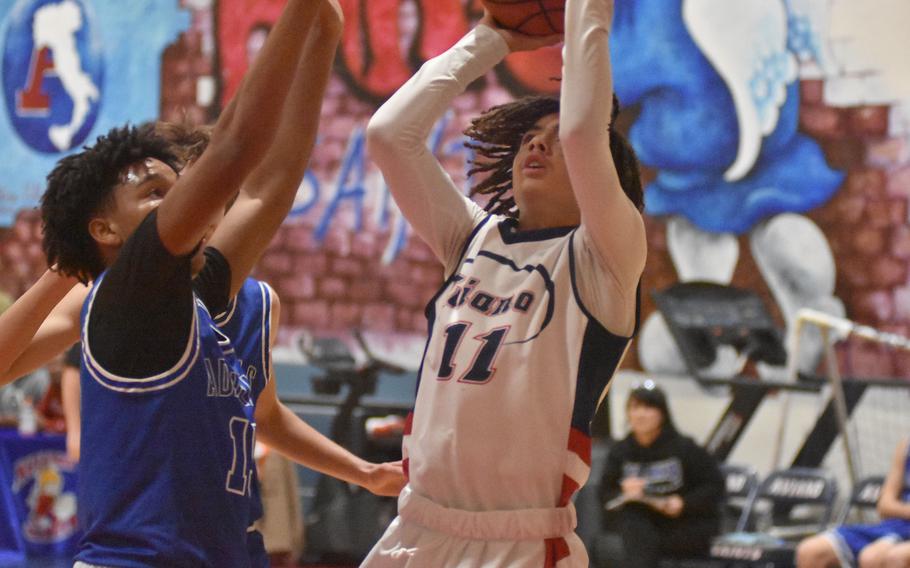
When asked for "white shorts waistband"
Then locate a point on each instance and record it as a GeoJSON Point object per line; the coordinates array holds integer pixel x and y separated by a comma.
{"type": "Point", "coordinates": [519, 524]}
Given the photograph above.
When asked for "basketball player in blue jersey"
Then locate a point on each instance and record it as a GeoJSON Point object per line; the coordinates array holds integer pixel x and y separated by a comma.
{"type": "Point", "coordinates": [166, 447]}
{"type": "Point", "coordinates": [885, 544]}
{"type": "Point", "coordinates": [537, 309]}
{"type": "Point", "coordinates": [250, 321]}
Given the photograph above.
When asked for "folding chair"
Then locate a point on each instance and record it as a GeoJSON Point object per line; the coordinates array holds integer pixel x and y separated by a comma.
{"type": "Point", "coordinates": [863, 500]}
{"type": "Point", "coordinates": [787, 506]}
{"type": "Point", "coordinates": [741, 483]}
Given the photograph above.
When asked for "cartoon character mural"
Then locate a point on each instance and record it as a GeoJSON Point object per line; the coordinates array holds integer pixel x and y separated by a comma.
{"type": "Point", "coordinates": [52, 512]}
{"type": "Point", "coordinates": [715, 82]}
{"type": "Point", "coordinates": [43, 481]}
{"type": "Point", "coordinates": [71, 71]}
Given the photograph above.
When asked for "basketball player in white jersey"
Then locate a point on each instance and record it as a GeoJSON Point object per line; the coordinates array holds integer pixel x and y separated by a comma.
{"type": "Point", "coordinates": [538, 306]}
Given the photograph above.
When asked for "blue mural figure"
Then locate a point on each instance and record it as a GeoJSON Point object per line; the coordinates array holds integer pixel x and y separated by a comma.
{"type": "Point", "coordinates": [72, 70]}
{"type": "Point", "coordinates": [715, 83]}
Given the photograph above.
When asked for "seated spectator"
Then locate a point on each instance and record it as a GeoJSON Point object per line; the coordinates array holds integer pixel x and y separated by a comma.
{"type": "Point", "coordinates": [662, 490]}
{"type": "Point", "coordinates": [882, 544]}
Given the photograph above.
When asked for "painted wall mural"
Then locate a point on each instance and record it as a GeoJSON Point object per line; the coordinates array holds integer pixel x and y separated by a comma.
{"type": "Point", "coordinates": [773, 135]}
{"type": "Point", "coordinates": [718, 122]}
{"type": "Point", "coordinates": [73, 69]}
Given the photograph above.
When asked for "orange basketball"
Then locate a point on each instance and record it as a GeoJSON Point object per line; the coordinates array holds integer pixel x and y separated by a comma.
{"type": "Point", "coordinates": [533, 17]}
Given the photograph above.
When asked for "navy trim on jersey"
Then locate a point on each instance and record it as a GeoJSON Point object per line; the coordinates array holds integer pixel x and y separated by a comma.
{"type": "Point", "coordinates": [430, 310]}
{"type": "Point", "coordinates": [510, 233]}
{"type": "Point", "coordinates": [581, 304]}
{"type": "Point", "coordinates": [548, 282]}
{"type": "Point", "coordinates": [601, 352]}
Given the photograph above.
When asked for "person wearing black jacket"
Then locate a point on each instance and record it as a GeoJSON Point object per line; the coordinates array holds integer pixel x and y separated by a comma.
{"type": "Point", "coordinates": [663, 492]}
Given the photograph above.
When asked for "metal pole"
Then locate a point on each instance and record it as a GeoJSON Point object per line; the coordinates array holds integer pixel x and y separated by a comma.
{"type": "Point", "coordinates": [792, 372]}
{"type": "Point", "coordinates": [840, 403]}
{"type": "Point", "coordinates": [827, 323]}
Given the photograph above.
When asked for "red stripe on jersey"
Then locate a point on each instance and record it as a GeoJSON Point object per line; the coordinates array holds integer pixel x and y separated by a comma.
{"type": "Point", "coordinates": [557, 549]}
{"type": "Point", "coordinates": [569, 487]}
{"type": "Point", "coordinates": [580, 443]}
{"type": "Point", "coordinates": [408, 423]}
{"type": "Point", "coordinates": [405, 468]}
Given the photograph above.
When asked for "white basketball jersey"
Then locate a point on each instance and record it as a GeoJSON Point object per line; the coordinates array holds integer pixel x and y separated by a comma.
{"type": "Point", "coordinates": [513, 370]}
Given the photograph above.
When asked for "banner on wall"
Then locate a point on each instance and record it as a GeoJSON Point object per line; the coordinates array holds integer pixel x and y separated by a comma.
{"type": "Point", "coordinates": [40, 483]}
{"type": "Point", "coordinates": [72, 70]}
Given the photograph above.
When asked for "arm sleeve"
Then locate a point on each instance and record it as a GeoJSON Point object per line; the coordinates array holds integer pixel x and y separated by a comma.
{"type": "Point", "coordinates": [704, 489]}
{"type": "Point", "coordinates": [612, 231]}
{"type": "Point", "coordinates": [213, 283]}
{"type": "Point", "coordinates": [397, 133]}
{"type": "Point", "coordinates": [143, 309]}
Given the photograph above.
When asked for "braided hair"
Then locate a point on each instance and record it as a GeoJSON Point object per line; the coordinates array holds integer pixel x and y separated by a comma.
{"type": "Point", "coordinates": [495, 138]}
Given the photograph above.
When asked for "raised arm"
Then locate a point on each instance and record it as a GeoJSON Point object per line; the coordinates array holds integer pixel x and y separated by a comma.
{"type": "Point", "coordinates": [267, 195]}
{"type": "Point", "coordinates": [40, 325]}
{"type": "Point", "coordinates": [242, 135]}
{"type": "Point", "coordinates": [609, 219]}
{"type": "Point", "coordinates": [397, 135]}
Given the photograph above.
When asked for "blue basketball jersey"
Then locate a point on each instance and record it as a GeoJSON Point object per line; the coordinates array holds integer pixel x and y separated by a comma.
{"type": "Point", "coordinates": [850, 540]}
{"type": "Point", "coordinates": [166, 469]}
{"type": "Point", "coordinates": [247, 322]}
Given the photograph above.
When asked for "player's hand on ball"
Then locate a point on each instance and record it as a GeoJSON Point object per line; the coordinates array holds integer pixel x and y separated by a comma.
{"type": "Point", "coordinates": [386, 479]}
{"type": "Point", "coordinates": [518, 41]}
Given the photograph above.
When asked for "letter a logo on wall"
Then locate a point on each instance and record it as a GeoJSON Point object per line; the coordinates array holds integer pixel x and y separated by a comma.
{"type": "Point", "coordinates": [52, 73]}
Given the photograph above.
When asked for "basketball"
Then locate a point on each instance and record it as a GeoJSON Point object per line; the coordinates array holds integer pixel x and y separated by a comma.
{"type": "Point", "coordinates": [532, 17]}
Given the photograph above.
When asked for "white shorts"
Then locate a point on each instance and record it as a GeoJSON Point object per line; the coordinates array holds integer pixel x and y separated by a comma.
{"type": "Point", "coordinates": [427, 535]}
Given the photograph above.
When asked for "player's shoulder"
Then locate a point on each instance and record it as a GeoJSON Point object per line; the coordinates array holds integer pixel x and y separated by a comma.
{"type": "Point", "coordinates": [261, 288]}
{"type": "Point", "coordinates": [261, 293]}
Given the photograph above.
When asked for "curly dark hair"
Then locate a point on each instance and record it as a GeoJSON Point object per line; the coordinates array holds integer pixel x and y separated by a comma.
{"type": "Point", "coordinates": [495, 137]}
{"type": "Point", "coordinates": [81, 185]}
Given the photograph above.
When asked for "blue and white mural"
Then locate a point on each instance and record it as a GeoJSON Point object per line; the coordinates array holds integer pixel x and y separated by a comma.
{"type": "Point", "coordinates": [715, 83]}
{"type": "Point", "coordinates": [73, 69]}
